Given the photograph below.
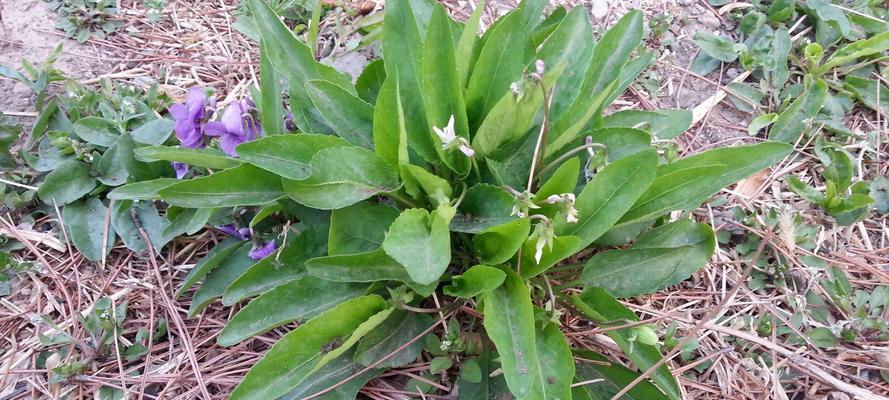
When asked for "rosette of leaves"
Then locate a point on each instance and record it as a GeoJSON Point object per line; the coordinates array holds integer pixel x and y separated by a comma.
{"type": "Point", "coordinates": [81, 19]}
{"type": "Point", "coordinates": [457, 172]}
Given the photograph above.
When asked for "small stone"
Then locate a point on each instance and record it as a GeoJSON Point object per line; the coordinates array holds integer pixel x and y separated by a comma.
{"type": "Point", "coordinates": [731, 73]}
{"type": "Point", "coordinates": [599, 9]}
{"type": "Point", "coordinates": [709, 20]}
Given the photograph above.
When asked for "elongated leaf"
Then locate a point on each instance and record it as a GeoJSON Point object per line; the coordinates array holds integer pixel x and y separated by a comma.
{"type": "Point", "coordinates": [509, 322]}
{"type": "Point", "coordinates": [287, 155]}
{"type": "Point", "coordinates": [419, 181]}
{"type": "Point", "coordinates": [371, 266]}
{"type": "Point", "coordinates": [360, 227]}
{"type": "Point", "coordinates": [475, 281]}
{"type": "Point", "coordinates": [614, 378]}
{"type": "Point", "coordinates": [390, 131]}
{"type": "Point", "coordinates": [395, 331]}
{"type": "Point", "coordinates": [466, 44]}
{"type": "Point", "coordinates": [563, 247]}
{"type": "Point", "coordinates": [84, 220]}
{"type": "Point", "coordinates": [663, 124]}
{"type": "Point", "coordinates": [226, 272]}
{"type": "Point", "coordinates": [216, 256]}
{"type": "Point", "coordinates": [672, 191]}
{"type": "Point", "coordinates": [124, 216]}
{"type": "Point", "coordinates": [497, 244]}
{"type": "Point", "coordinates": [608, 196]}
{"type": "Point", "coordinates": [97, 131]}
{"type": "Point", "coordinates": [483, 206]}
{"type": "Point", "coordinates": [70, 181]}
{"type": "Point", "coordinates": [874, 45]}
{"type": "Point", "coordinates": [188, 221]}
{"type": "Point", "coordinates": [207, 158]}
{"type": "Point", "coordinates": [335, 372]}
{"type": "Point", "coordinates": [600, 306]}
{"type": "Point", "coordinates": [789, 124]}
{"type": "Point", "coordinates": [342, 176]}
{"type": "Point", "coordinates": [570, 43]}
{"type": "Point", "coordinates": [633, 272]}
{"type": "Point", "coordinates": [145, 190]}
{"type": "Point", "coordinates": [420, 241]}
{"type": "Point", "coordinates": [621, 142]}
{"type": "Point", "coordinates": [349, 116]}
{"type": "Point", "coordinates": [498, 65]}
{"type": "Point", "coordinates": [555, 364]}
{"type": "Point", "coordinates": [115, 163]}
{"type": "Point", "coordinates": [300, 352]}
{"type": "Point", "coordinates": [371, 81]}
{"type": "Point", "coordinates": [154, 133]}
{"type": "Point", "coordinates": [243, 185]}
{"type": "Point", "coordinates": [296, 300]}
{"type": "Point", "coordinates": [271, 110]}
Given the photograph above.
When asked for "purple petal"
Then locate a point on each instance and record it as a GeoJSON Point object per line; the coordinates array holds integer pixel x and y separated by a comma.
{"type": "Point", "coordinates": [260, 252]}
{"type": "Point", "coordinates": [232, 230]}
{"type": "Point", "coordinates": [233, 119]}
{"type": "Point", "coordinates": [214, 128]}
{"type": "Point", "coordinates": [288, 122]}
{"type": "Point", "coordinates": [229, 142]}
{"type": "Point", "coordinates": [181, 169]}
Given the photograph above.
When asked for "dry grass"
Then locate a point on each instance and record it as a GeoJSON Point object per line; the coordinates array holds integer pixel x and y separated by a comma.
{"type": "Point", "coordinates": [196, 45]}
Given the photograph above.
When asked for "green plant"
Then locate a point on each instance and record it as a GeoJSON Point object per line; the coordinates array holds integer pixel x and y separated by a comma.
{"type": "Point", "coordinates": [155, 9]}
{"type": "Point", "coordinates": [457, 172]}
{"type": "Point", "coordinates": [81, 19]}
{"type": "Point", "coordinates": [845, 201]}
{"type": "Point", "coordinates": [37, 79]}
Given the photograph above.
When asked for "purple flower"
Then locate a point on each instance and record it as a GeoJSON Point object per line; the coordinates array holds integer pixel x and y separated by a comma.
{"type": "Point", "coordinates": [237, 126]}
{"type": "Point", "coordinates": [232, 230]}
{"type": "Point", "coordinates": [289, 124]}
{"type": "Point", "coordinates": [260, 251]}
{"type": "Point", "coordinates": [189, 117]}
{"type": "Point", "coordinates": [180, 168]}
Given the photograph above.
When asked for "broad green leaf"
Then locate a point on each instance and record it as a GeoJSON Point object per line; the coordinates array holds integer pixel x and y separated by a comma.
{"type": "Point", "coordinates": [271, 111]}
{"type": "Point", "coordinates": [442, 92]}
{"type": "Point", "coordinates": [548, 25]}
{"type": "Point", "coordinates": [567, 131]}
{"type": "Point", "coordinates": [673, 191]}
{"type": "Point", "coordinates": [402, 48]}
{"type": "Point", "coordinates": [285, 266]}
{"type": "Point", "coordinates": [116, 162]}
{"type": "Point", "coordinates": [498, 244]}
{"type": "Point", "coordinates": [740, 162]}
{"type": "Point", "coordinates": [217, 255]}
{"type": "Point", "coordinates": [390, 131]}
{"type": "Point", "coordinates": [563, 247]}
{"type": "Point", "coordinates": [466, 44]}
{"type": "Point", "coordinates": [419, 181]}
{"type": "Point", "coordinates": [498, 65]}
{"type": "Point", "coordinates": [188, 221]}
{"type": "Point", "coordinates": [592, 367]}
{"type": "Point", "coordinates": [483, 206]}
{"type": "Point", "coordinates": [123, 216]}
{"type": "Point", "coordinates": [853, 209]}
{"type": "Point", "coordinates": [828, 18]}
{"type": "Point", "coordinates": [226, 271]}
{"type": "Point", "coordinates": [805, 191]}
{"type": "Point", "coordinates": [475, 281]}
{"type": "Point", "coordinates": [555, 364]}
{"type": "Point", "coordinates": [874, 45]}
{"type": "Point", "coordinates": [145, 190]}
{"type": "Point", "coordinates": [342, 176]}
{"type": "Point", "coordinates": [633, 272]}
{"type": "Point", "coordinates": [86, 229]}
{"type": "Point", "coordinates": [335, 372]}
{"type": "Point", "coordinates": [663, 124]}
{"type": "Point", "coordinates": [563, 180]}
{"type": "Point", "coordinates": [155, 132]}
{"type": "Point", "coordinates": [360, 227]}
{"type": "Point", "coordinates": [420, 241]}
{"type": "Point", "coordinates": [838, 167]}
{"type": "Point", "coordinates": [207, 158]}
{"type": "Point", "coordinates": [601, 307]}
{"type": "Point", "coordinates": [9, 134]}
{"type": "Point", "coordinates": [570, 43]}
{"type": "Point", "coordinates": [509, 322]}
{"type": "Point", "coordinates": [760, 122]}
{"type": "Point", "coordinates": [865, 90]}
{"type": "Point", "coordinates": [97, 131]}
{"type": "Point", "coordinates": [371, 266]}
{"type": "Point", "coordinates": [238, 186]}
{"type": "Point", "coordinates": [371, 81]}
{"type": "Point", "coordinates": [287, 155]}
{"type": "Point", "coordinates": [608, 196]}
{"type": "Point", "coordinates": [399, 328]}
{"type": "Point", "coordinates": [296, 300]}
{"type": "Point", "coordinates": [681, 233]}
{"type": "Point", "coordinates": [621, 142]}
{"type": "Point", "coordinates": [789, 124]}
{"type": "Point", "coordinates": [349, 116]}
{"type": "Point", "coordinates": [718, 47]}
{"type": "Point", "coordinates": [70, 181]}
{"type": "Point", "coordinates": [300, 352]}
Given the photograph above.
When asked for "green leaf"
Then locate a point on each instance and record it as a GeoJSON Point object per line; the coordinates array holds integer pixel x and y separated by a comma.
{"type": "Point", "coordinates": [419, 181]}
{"type": "Point", "coordinates": [155, 132]}
{"type": "Point", "coordinates": [115, 163]}
{"type": "Point", "coordinates": [390, 132]}
{"type": "Point", "coordinates": [371, 266]}
{"type": "Point", "coordinates": [442, 91]}
{"type": "Point", "coordinates": [475, 281]}
{"type": "Point", "coordinates": [271, 113]}
{"type": "Point", "coordinates": [663, 124]}
{"type": "Point", "coordinates": [483, 206]}
{"type": "Point", "coordinates": [287, 155]}
{"type": "Point", "coordinates": [498, 65]}
{"type": "Point", "coordinates": [598, 305]}
{"type": "Point", "coordinates": [70, 181]}
{"type": "Point", "coordinates": [621, 142]}
{"type": "Point", "coordinates": [673, 191]}
{"type": "Point", "coordinates": [296, 300]}
{"type": "Point", "coordinates": [822, 337]}
{"type": "Point", "coordinates": [238, 186]}
{"type": "Point", "coordinates": [563, 247]}
{"type": "Point", "coordinates": [371, 81]}
{"type": "Point", "coordinates": [227, 271]}
{"type": "Point", "coordinates": [360, 227]}
{"type": "Point", "coordinates": [838, 167]}
{"type": "Point", "coordinates": [97, 131]}
{"type": "Point", "coordinates": [301, 352]}
{"type": "Point", "coordinates": [805, 191]}
{"type": "Point", "coordinates": [335, 372]}
{"type": "Point", "coordinates": [342, 176]}
{"type": "Point", "coordinates": [826, 15]}
{"type": "Point", "coordinates": [84, 220]}
{"type": "Point", "coordinates": [148, 218]}
{"type": "Point", "coordinates": [608, 196]}
{"type": "Point", "coordinates": [188, 221]}
{"type": "Point", "coordinates": [420, 241]}
{"type": "Point", "coordinates": [760, 122]}
{"type": "Point", "coordinates": [509, 322]}
{"type": "Point", "coordinates": [145, 190]}
{"type": "Point", "coordinates": [879, 191]}
{"type": "Point", "coordinates": [789, 124]}
{"type": "Point", "coordinates": [874, 45]}
{"type": "Point", "coordinates": [349, 116]}
{"type": "Point", "coordinates": [9, 134]}
{"type": "Point", "coordinates": [207, 158]}
{"type": "Point", "coordinates": [563, 180]}
{"type": "Point", "coordinates": [852, 209]}
{"type": "Point", "coordinates": [570, 43]}
{"type": "Point", "coordinates": [555, 364]}
{"type": "Point", "coordinates": [401, 327]}
{"type": "Point", "coordinates": [717, 47]}
{"type": "Point", "coordinates": [740, 162]}
{"type": "Point", "coordinates": [592, 366]}
{"type": "Point", "coordinates": [497, 244]}
{"type": "Point", "coordinates": [865, 90]}
{"type": "Point", "coordinates": [217, 255]}
{"type": "Point", "coordinates": [440, 364]}
{"type": "Point", "coordinates": [466, 44]}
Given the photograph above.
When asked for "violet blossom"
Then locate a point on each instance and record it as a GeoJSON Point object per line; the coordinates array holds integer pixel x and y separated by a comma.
{"type": "Point", "coordinates": [232, 230]}
{"type": "Point", "coordinates": [191, 116]}
{"type": "Point", "coordinates": [259, 251]}
{"type": "Point", "coordinates": [237, 126]}
{"type": "Point", "coordinates": [181, 169]}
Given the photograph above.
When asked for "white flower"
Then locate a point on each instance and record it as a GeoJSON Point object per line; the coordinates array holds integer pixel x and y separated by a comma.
{"type": "Point", "coordinates": [567, 202]}
{"type": "Point", "coordinates": [447, 135]}
{"type": "Point", "coordinates": [540, 67]}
